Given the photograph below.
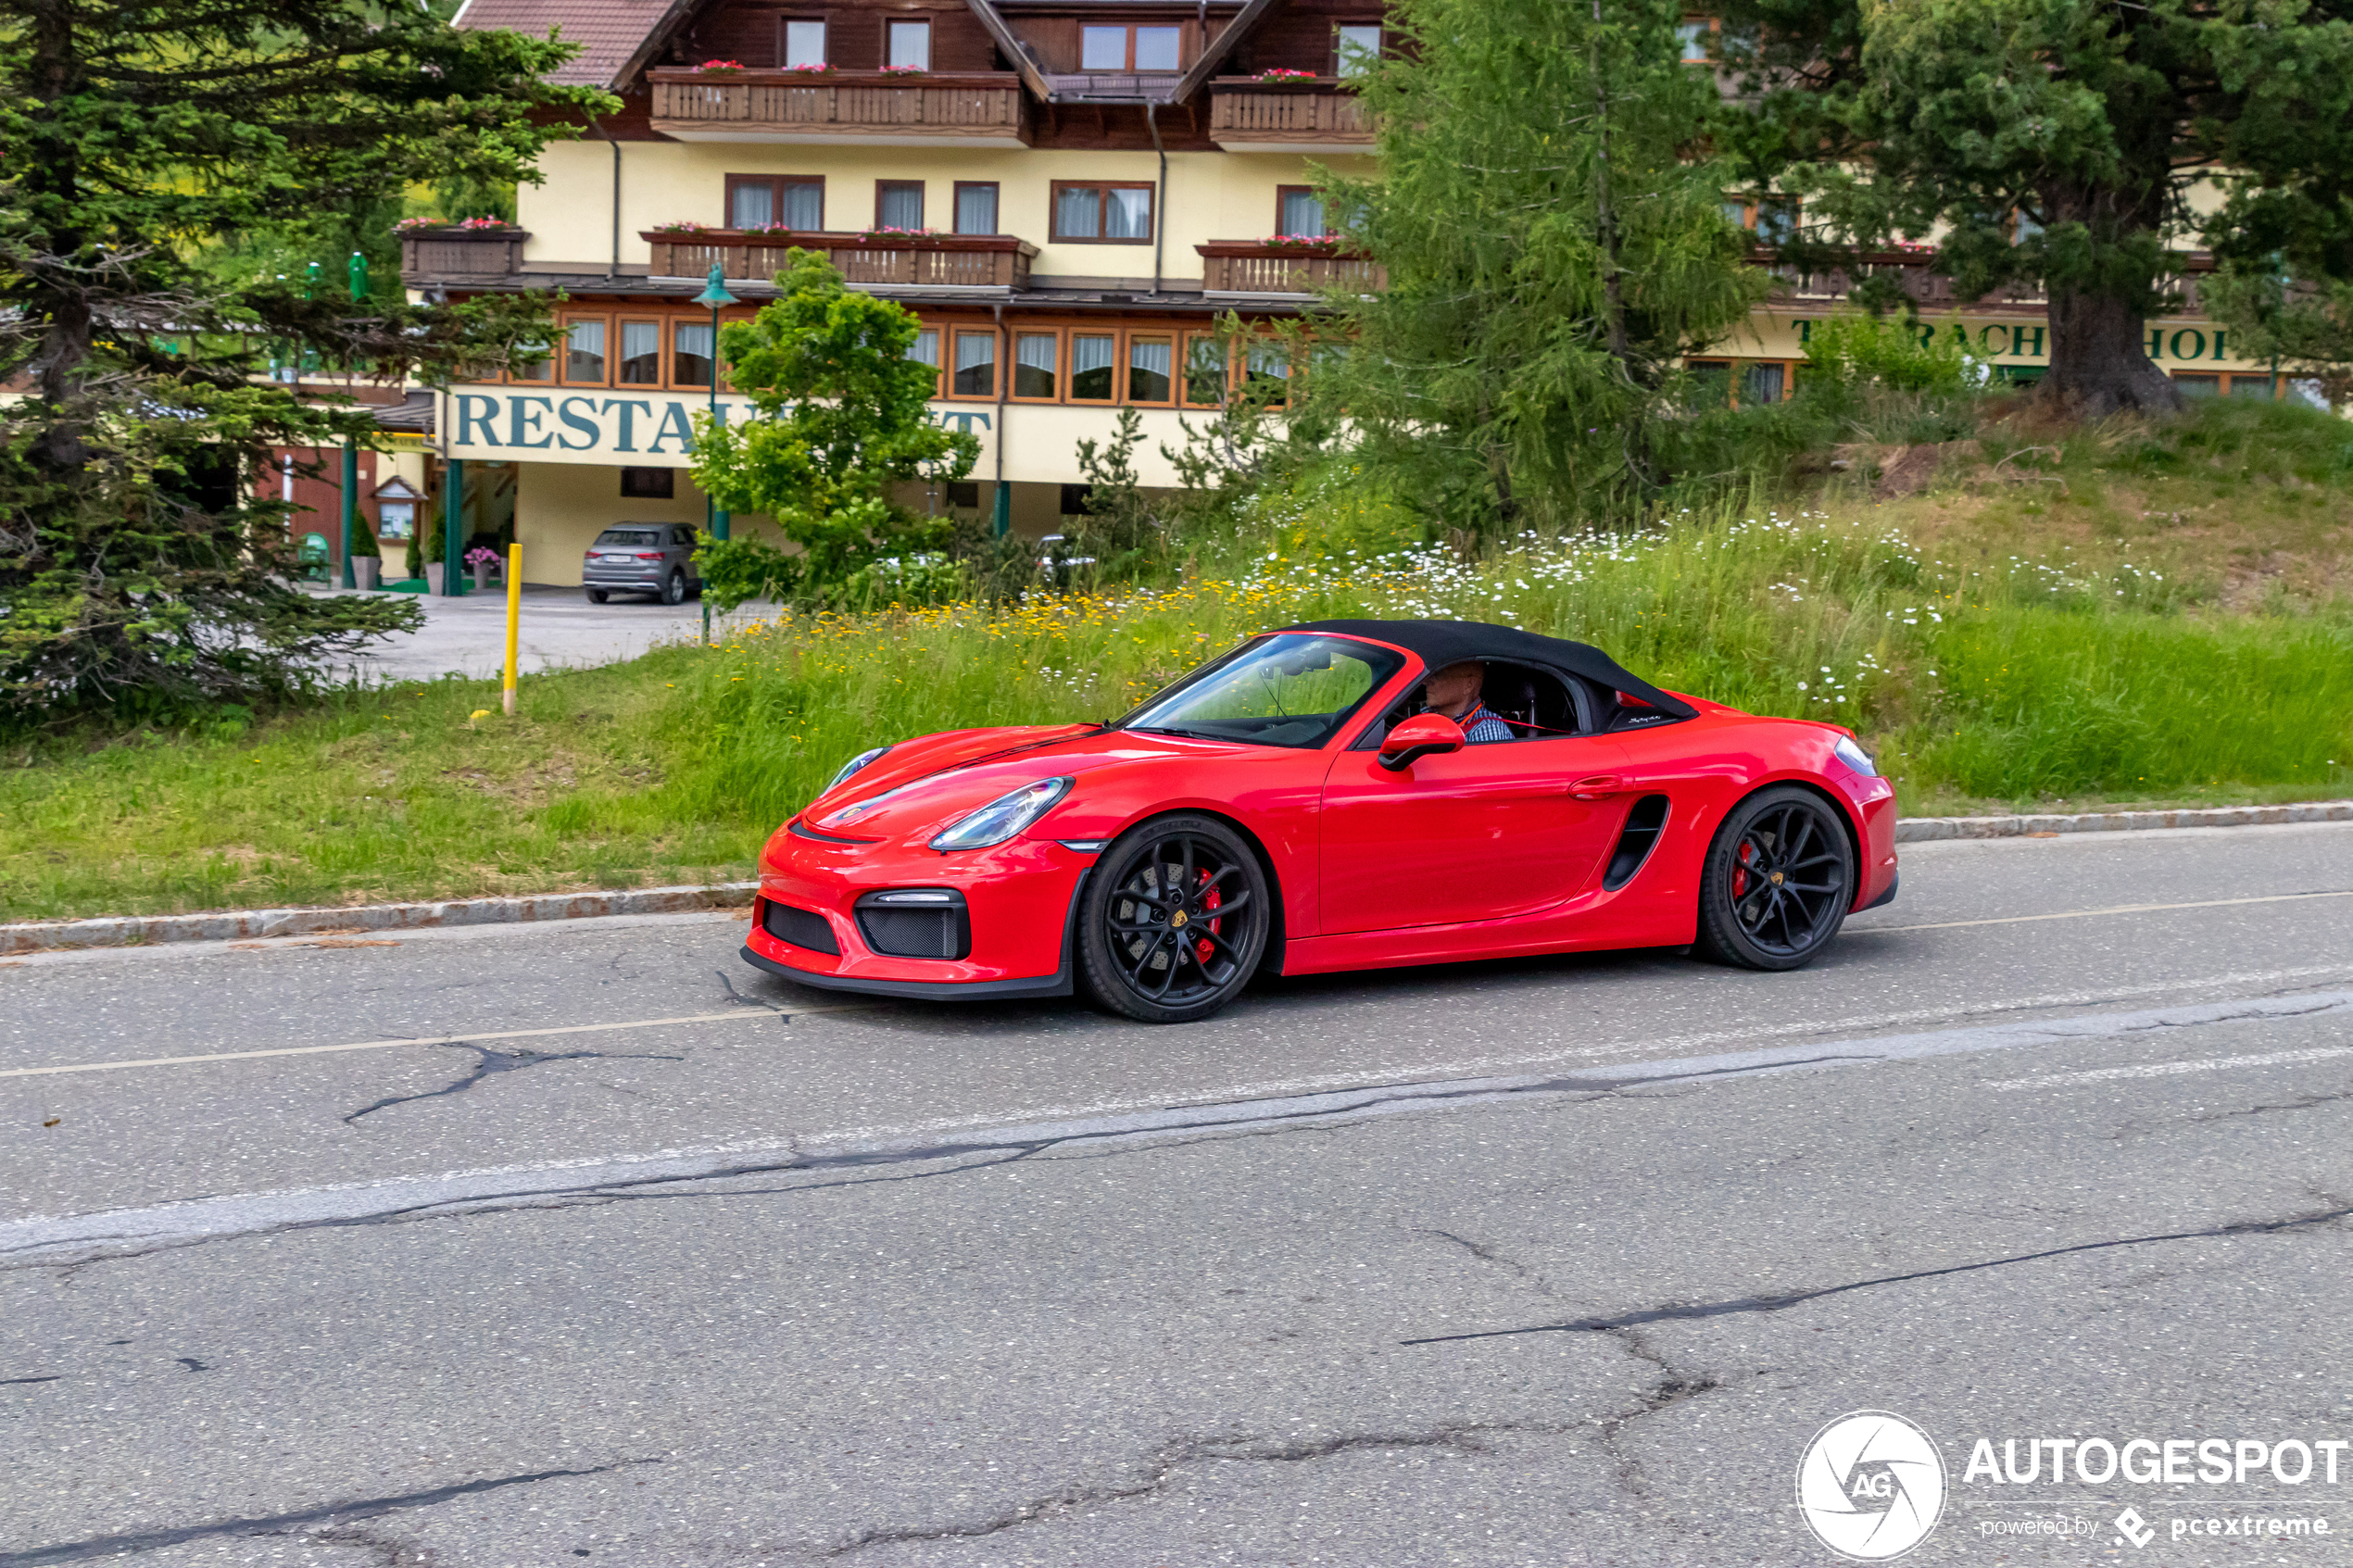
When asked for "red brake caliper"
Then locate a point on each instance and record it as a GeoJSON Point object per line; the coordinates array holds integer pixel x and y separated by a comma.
{"type": "Point", "coordinates": [1201, 949]}
{"type": "Point", "coordinates": [1740, 873]}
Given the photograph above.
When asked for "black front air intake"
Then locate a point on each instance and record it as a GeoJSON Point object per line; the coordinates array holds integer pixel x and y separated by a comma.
{"type": "Point", "coordinates": [916, 922]}
{"type": "Point", "coordinates": [1644, 824]}
{"type": "Point", "coordinates": [802, 928]}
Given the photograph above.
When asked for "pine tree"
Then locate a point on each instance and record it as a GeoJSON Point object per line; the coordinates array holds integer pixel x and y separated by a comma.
{"type": "Point", "coordinates": [1554, 242]}
{"type": "Point", "coordinates": [137, 565]}
{"type": "Point", "coordinates": [2075, 143]}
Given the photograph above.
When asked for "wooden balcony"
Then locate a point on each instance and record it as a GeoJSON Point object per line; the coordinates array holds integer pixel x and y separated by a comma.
{"type": "Point", "coordinates": [1314, 117]}
{"type": "Point", "coordinates": [462, 253]}
{"type": "Point", "coordinates": [853, 108]}
{"type": "Point", "coordinates": [1914, 271]}
{"type": "Point", "coordinates": [1256, 268]}
{"type": "Point", "coordinates": [998, 262]}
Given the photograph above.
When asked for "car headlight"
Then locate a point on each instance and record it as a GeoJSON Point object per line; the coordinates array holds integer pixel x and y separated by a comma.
{"type": "Point", "coordinates": [1003, 817]}
{"type": "Point", "coordinates": [1849, 751]}
{"type": "Point", "coordinates": [853, 765]}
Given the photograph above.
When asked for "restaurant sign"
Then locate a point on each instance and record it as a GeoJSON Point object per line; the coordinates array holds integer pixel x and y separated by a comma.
{"type": "Point", "coordinates": [599, 425]}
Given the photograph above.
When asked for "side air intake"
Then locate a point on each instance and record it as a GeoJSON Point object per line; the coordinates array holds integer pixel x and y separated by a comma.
{"type": "Point", "coordinates": [1644, 824]}
{"type": "Point", "coordinates": [802, 928]}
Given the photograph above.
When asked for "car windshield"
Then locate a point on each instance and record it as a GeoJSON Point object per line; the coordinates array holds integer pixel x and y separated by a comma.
{"type": "Point", "coordinates": [1293, 688]}
{"type": "Point", "coordinates": [629, 536]}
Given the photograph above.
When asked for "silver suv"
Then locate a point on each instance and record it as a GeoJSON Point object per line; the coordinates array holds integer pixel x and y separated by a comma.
{"type": "Point", "coordinates": [643, 558]}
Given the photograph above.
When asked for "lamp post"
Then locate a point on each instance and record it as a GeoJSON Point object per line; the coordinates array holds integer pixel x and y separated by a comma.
{"type": "Point", "coordinates": [714, 293]}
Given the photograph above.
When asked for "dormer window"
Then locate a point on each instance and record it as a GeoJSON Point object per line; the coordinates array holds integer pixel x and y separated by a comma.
{"type": "Point", "coordinates": [1130, 49]}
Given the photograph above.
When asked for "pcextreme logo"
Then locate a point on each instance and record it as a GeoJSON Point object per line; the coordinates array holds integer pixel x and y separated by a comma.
{"type": "Point", "coordinates": [1872, 1486]}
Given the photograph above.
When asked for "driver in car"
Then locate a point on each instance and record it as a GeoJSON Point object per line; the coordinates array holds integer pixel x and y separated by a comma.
{"type": "Point", "coordinates": [1454, 692]}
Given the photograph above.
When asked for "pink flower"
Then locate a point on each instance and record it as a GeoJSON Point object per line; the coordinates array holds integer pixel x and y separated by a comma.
{"type": "Point", "coordinates": [721, 65]}
{"type": "Point", "coordinates": [814, 67]}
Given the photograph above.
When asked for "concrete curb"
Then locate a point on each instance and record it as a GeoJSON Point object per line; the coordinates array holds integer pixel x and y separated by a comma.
{"type": "Point", "coordinates": [240, 924]}
{"type": "Point", "coordinates": [118, 931]}
{"type": "Point", "coordinates": [1923, 830]}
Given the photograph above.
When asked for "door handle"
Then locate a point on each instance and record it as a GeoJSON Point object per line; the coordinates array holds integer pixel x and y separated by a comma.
{"type": "Point", "coordinates": [1601, 786]}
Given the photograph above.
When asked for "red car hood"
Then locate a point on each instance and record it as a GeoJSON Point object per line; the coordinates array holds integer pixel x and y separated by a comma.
{"type": "Point", "coordinates": [932, 779]}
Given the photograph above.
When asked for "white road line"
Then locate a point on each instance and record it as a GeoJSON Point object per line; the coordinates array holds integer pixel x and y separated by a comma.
{"type": "Point", "coordinates": [2171, 1068]}
{"type": "Point", "coordinates": [420, 1040]}
{"type": "Point", "coordinates": [2111, 909]}
{"type": "Point", "coordinates": [53, 1240]}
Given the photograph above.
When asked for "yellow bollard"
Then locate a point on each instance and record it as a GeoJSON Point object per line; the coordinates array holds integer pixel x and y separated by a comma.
{"type": "Point", "coordinates": [514, 618]}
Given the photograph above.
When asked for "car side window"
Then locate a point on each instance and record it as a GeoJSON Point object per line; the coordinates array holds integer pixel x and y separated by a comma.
{"type": "Point", "coordinates": [1538, 704]}
{"type": "Point", "coordinates": [681, 535]}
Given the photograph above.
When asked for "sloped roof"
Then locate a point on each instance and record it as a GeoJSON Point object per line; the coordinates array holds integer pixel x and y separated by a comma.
{"type": "Point", "coordinates": [614, 34]}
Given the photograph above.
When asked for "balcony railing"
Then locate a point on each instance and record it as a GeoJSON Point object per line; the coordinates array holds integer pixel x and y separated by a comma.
{"type": "Point", "coordinates": [1317, 116]}
{"type": "Point", "coordinates": [1253, 266]}
{"type": "Point", "coordinates": [462, 253]}
{"type": "Point", "coordinates": [938, 110]}
{"type": "Point", "coordinates": [1915, 272]}
{"type": "Point", "coordinates": [929, 261]}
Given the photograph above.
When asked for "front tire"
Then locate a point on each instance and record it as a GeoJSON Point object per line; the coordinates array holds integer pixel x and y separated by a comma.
{"type": "Point", "coordinates": [673, 592]}
{"type": "Point", "coordinates": [1176, 921]}
{"type": "Point", "coordinates": [1778, 880]}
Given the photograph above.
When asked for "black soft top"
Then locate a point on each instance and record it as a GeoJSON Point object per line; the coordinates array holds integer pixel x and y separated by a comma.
{"type": "Point", "coordinates": [1441, 643]}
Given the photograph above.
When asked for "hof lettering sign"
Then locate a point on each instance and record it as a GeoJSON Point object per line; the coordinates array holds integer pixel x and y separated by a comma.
{"type": "Point", "coordinates": [603, 425]}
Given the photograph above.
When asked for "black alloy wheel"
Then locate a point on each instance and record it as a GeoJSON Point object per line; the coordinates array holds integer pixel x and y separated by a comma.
{"type": "Point", "coordinates": [1778, 880]}
{"type": "Point", "coordinates": [673, 592]}
{"type": "Point", "coordinates": [1176, 921]}
{"type": "Point", "coordinates": [596, 596]}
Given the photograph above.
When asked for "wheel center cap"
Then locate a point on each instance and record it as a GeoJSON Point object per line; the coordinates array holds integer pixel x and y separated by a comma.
{"type": "Point", "coordinates": [1777, 878]}
{"type": "Point", "coordinates": [1180, 916]}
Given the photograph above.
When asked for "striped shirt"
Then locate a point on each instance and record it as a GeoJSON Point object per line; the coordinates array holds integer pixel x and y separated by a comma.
{"type": "Point", "coordinates": [1480, 724]}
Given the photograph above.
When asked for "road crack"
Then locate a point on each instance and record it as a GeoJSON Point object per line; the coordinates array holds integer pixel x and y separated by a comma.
{"type": "Point", "coordinates": [1465, 1437]}
{"type": "Point", "coordinates": [338, 1516]}
{"type": "Point", "coordinates": [1799, 1298]}
{"type": "Point", "coordinates": [489, 1064]}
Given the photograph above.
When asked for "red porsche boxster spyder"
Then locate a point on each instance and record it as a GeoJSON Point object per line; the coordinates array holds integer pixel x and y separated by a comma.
{"type": "Point", "coordinates": [1296, 806]}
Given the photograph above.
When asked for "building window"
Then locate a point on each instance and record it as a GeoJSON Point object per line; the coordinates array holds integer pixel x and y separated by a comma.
{"type": "Point", "coordinates": [763, 201]}
{"type": "Point", "coordinates": [691, 352]}
{"type": "Point", "coordinates": [1204, 371]}
{"type": "Point", "coordinates": [641, 353]}
{"type": "Point", "coordinates": [924, 351]}
{"type": "Point", "coordinates": [1104, 214]}
{"type": "Point", "coordinates": [1076, 499]}
{"type": "Point", "coordinates": [805, 43]}
{"type": "Point", "coordinates": [964, 493]}
{"type": "Point", "coordinates": [1034, 356]}
{"type": "Point", "coordinates": [1266, 370]}
{"type": "Point", "coordinates": [651, 485]}
{"type": "Point", "coordinates": [1299, 210]}
{"type": "Point", "coordinates": [1092, 355]}
{"type": "Point", "coordinates": [532, 362]}
{"type": "Point", "coordinates": [899, 203]}
{"type": "Point", "coordinates": [976, 207]}
{"type": "Point", "coordinates": [1773, 219]}
{"type": "Point", "coordinates": [1355, 49]}
{"type": "Point", "coordinates": [584, 353]}
{"type": "Point", "coordinates": [2252, 387]}
{"type": "Point", "coordinates": [1130, 48]}
{"type": "Point", "coordinates": [1711, 384]}
{"type": "Point", "coordinates": [911, 45]}
{"type": "Point", "coordinates": [1148, 367]}
{"type": "Point", "coordinates": [1697, 36]}
{"type": "Point", "coordinates": [976, 365]}
{"type": "Point", "coordinates": [1763, 383]}
{"type": "Point", "coordinates": [2199, 386]}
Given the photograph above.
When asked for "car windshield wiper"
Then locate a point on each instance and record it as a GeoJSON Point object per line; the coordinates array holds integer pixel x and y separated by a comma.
{"type": "Point", "coordinates": [1181, 730]}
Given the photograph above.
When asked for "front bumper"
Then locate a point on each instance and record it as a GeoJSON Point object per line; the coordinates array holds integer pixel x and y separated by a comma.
{"type": "Point", "coordinates": [1022, 901]}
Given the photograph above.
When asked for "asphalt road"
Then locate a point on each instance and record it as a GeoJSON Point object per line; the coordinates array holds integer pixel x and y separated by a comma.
{"type": "Point", "coordinates": [586, 1242]}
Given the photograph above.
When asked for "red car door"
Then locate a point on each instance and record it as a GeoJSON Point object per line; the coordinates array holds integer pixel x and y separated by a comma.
{"type": "Point", "coordinates": [1485, 832]}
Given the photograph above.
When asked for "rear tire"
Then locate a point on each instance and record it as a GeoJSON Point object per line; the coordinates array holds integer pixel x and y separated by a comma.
{"type": "Point", "coordinates": [596, 596]}
{"type": "Point", "coordinates": [1181, 874]}
{"type": "Point", "coordinates": [1778, 880]}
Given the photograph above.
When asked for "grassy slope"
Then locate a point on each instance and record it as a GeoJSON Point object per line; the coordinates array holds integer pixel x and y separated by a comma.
{"type": "Point", "coordinates": [2134, 621]}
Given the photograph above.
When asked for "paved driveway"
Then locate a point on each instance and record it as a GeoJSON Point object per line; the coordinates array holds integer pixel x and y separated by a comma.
{"type": "Point", "coordinates": [560, 629]}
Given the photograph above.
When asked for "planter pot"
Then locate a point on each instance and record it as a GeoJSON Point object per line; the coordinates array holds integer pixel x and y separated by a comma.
{"type": "Point", "coordinates": [434, 575]}
{"type": "Point", "coordinates": [367, 571]}
{"type": "Point", "coordinates": [481, 582]}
